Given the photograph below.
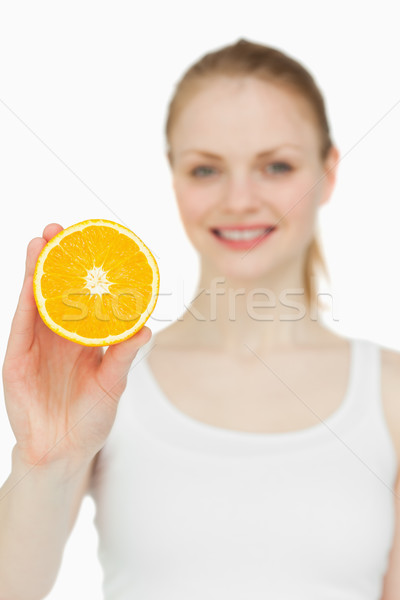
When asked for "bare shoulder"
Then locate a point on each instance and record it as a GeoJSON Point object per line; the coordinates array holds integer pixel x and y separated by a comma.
{"type": "Point", "coordinates": [390, 361]}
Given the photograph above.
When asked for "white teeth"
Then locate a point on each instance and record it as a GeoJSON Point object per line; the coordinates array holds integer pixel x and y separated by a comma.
{"type": "Point", "coordinates": [242, 234]}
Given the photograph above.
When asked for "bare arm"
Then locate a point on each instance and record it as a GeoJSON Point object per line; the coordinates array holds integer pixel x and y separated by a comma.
{"type": "Point", "coordinates": [38, 508]}
{"type": "Point", "coordinates": [61, 399]}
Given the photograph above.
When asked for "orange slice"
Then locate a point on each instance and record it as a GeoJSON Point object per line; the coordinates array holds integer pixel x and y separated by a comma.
{"type": "Point", "coordinates": [96, 283]}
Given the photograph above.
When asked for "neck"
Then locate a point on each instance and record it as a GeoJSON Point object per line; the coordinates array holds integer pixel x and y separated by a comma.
{"type": "Point", "coordinates": [228, 314]}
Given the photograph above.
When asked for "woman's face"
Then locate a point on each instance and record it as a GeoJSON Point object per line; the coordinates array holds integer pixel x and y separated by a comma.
{"type": "Point", "coordinates": [245, 159]}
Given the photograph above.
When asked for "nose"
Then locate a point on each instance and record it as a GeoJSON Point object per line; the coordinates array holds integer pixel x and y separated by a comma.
{"type": "Point", "coordinates": [240, 195]}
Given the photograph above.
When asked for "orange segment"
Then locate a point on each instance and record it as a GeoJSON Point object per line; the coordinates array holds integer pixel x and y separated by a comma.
{"type": "Point", "coordinates": [96, 283]}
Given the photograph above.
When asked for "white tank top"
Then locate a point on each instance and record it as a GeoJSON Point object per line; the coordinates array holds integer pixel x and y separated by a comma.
{"type": "Point", "coordinates": [189, 511]}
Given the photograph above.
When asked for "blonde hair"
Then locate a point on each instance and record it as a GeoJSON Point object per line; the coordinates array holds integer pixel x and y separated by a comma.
{"type": "Point", "coordinates": [246, 58]}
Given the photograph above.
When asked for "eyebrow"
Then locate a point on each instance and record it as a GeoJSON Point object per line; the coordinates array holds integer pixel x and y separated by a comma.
{"type": "Point", "coordinates": [259, 155]}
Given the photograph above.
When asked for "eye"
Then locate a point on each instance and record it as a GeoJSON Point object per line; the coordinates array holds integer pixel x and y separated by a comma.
{"type": "Point", "coordinates": [202, 171]}
{"type": "Point", "coordinates": [278, 167]}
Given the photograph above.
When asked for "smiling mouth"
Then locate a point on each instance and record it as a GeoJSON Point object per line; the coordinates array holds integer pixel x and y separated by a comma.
{"type": "Point", "coordinates": [242, 235]}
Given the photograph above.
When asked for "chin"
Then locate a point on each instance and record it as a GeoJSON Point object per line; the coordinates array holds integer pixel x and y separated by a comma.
{"type": "Point", "coordinates": [250, 272]}
{"type": "Point", "coordinates": [255, 270]}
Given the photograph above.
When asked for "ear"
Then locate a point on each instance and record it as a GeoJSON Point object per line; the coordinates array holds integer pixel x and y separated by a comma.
{"type": "Point", "coordinates": [330, 173]}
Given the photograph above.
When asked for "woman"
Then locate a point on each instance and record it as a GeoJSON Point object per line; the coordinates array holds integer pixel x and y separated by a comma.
{"type": "Point", "coordinates": [254, 452]}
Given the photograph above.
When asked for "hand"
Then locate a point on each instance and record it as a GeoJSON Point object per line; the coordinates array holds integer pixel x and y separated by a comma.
{"type": "Point", "coordinates": [61, 397]}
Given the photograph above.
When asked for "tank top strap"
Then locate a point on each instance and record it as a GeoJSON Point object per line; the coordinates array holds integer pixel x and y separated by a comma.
{"type": "Point", "coordinates": [368, 408]}
{"type": "Point", "coordinates": [366, 374]}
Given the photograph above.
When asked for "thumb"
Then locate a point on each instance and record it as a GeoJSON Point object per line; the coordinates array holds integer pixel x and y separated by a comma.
{"type": "Point", "coordinates": [117, 360]}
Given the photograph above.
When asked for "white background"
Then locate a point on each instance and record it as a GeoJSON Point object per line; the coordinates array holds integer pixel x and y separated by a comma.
{"type": "Point", "coordinates": [84, 88]}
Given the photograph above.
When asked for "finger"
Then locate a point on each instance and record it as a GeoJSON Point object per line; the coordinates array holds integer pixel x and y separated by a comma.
{"type": "Point", "coordinates": [51, 230]}
{"type": "Point", "coordinates": [117, 361]}
{"type": "Point", "coordinates": [23, 323]}
{"type": "Point", "coordinates": [36, 245]}
{"type": "Point", "coordinates": [33, 250]}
